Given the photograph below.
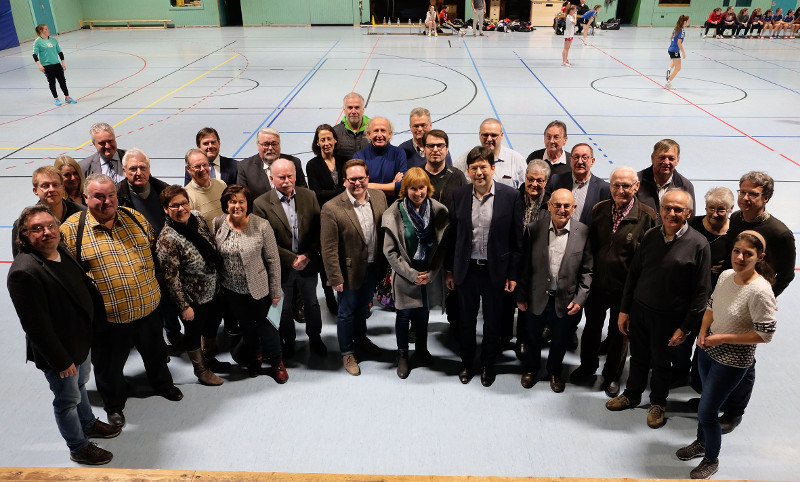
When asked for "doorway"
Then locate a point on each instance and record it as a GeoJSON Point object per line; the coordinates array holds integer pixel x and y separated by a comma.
{"type": "Point", "coordinates": [43, 14]}
{"type": "Point", "coordinates": [230, 13]}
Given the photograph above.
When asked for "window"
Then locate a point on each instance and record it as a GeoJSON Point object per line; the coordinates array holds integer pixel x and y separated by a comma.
{"type": "Point", "coordinates": [186, 3]}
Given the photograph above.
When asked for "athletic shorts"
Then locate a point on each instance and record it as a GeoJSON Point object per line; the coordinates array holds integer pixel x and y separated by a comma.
{"type": "Point", "coordinates": [674, 55]}
{"type": "Point", "coordinates": [568, 39]}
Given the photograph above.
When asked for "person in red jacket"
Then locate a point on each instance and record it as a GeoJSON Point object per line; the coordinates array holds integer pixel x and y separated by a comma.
{"type": "Point", "coordinates": [713, 20]}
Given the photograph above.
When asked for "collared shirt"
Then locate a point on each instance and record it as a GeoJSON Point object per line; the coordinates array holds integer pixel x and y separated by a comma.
{"type": "Point", "coordinates": [556, 247]}
{"type": "Point", "coordinates": [617, 216]}
{"type": "Point", "coordinates": [120, 260]}
{"type": "Point", "coordinates": [112, 167]}
{"type": "Point", "coordinates": [579, 193]}
{"type": "Point", "coordinates": [268, 170]}
{"type": "Point", "coordinates": [680, 233]}
{"type": "Point", "coordinates": [367, 221]}
{"type": "Point", "coordinates": [509, 167]}
{"type": "Point", "coordinates": [289, 206]}
{"type": "Point", "coordinates": [662, 188]}
{"type": "Point", "coordinates": [561, 159]}
{"type": "Point", "coordinates": [482, 209]}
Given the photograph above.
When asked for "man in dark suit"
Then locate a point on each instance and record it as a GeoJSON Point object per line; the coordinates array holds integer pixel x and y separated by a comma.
{"type": "Point", "coordinates": [222, 167]}
{"type": "Point", "coordinates": [482, 265]}
{"type": "Point", "coordinates": [253, 172]}
{"type": "Point", "coordinates": [294, 214]}
{"type": "Point", "coordinates": [57, 303]}
{"type": "Point", "coordinates": [662, 176]}
{"type": "Point", "coordinates": [618, 226]}
{"type": "Point", "coordinates": [352, 252]}
{"type": "Point", "coordinates": [555, 138]}
{"type": "Point", "coordinates": [587, 188]}
{"type": "Point", "coordinates": [554, 286]}
{"type": "Point", "coordinates": [108, 159]}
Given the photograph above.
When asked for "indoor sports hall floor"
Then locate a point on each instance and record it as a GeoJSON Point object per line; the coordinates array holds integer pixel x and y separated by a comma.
{"type": "Point", "coordinates": [735, 108]}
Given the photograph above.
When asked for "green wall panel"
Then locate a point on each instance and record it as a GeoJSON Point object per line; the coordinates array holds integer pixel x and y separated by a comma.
{"type": "Point", "coordinates": [303, 12]}
{"type": "Point", "coordinates": [23, 20]}
{"type": "Point", "coordinates": [67, 14]}
{"type": "Point", "coordinates": [650, 13]}
{"type": "Point", "coordinates": [208, 14]}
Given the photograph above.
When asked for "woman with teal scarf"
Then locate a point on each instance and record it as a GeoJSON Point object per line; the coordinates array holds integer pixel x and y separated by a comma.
{"type": "Point", "coordinates": [415, 225]}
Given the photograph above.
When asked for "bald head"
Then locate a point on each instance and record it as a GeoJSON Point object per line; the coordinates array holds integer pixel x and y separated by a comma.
{"type": "Point", "coordinates": [561, 207]}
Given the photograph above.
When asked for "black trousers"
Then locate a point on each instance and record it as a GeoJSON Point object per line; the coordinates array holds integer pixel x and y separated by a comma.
{"type": "Point", "coordinates": [251, 314]}
{"type": "Point", "coordinates": [307, 290]}
{"type": "Point", "coordinates": [475, 289]}
{"type": "Point", "coordinates": [560, 329]}
{"type": "Point", "coordinates": [55, 72]}
{"type": "Point", "coordinates": [598, 304]}
{"type": "Point", "coordinates": [202, 325]}
{"type": "Point", "coordinates": [650, 332]}
{"type": "Point", "coordinates": [110, 349]}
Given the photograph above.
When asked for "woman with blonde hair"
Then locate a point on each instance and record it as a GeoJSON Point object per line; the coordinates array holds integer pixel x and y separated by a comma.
{"type": "Point", "coordinates": [73, 178]}
{"type": "Point", "coordinates": [414, 226]}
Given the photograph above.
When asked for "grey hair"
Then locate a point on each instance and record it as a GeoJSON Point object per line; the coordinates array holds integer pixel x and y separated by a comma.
{"type": "Point", "coordinates": [721, 195]}
{"type": "Point", "coordinates": [559, 124]}
{"type": "Point", "coordinates": [622, 169]}
{"type": "Point", "coordinates": [134, 151]}
{"type": "Point", "coordinates": [369, 124]}
{"type": "Point", "coordinates": [689, 196]}
{"type": "Point", "coordinates": [761, 179]}
{"type": "Point", "coordinates": [418, 111]}
{"type": "Point", "coordinates": [268, 130]}
{"type": "Point", "coordinates": [98, 178]}
{"type": "Point", "coordinates": [539, 165]}
{"type": "Point", "coordinates": [100, 126]}
{"type": "Point", "coordinates": [193, 151]}
{"type": "Point", "coordinates": [353, 94]}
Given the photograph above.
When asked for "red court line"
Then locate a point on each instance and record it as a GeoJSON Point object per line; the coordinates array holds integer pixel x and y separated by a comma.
{"type": "Point", "coordinates": [694, 105]}
{"type": "Point", "coordinates": [87, 95]}
{"type": "Point", "coordinates": [359, 76]}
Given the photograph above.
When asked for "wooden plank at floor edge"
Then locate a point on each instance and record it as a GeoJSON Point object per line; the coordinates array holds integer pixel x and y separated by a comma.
{"type": "Point", "coordinates": [103, 474]}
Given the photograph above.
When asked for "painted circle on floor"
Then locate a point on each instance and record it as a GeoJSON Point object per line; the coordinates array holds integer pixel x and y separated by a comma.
{"type": "Point", "coordinates": [696, 91]}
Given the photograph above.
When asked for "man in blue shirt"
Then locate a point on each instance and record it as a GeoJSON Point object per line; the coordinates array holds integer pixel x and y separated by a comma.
{"type": "Point", "coordinates": [386, 163]}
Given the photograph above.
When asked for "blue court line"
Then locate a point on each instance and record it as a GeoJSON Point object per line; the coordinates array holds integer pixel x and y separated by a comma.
{"type": "Point", "coordinates": [562, 106]}
{"type": "Point", "coordinates": [748, 73]}
{"type": "Point", "coordinates": [486, 91]}
{"type": "Point", "coordinates": [299, 86]}
{"type": "Point", "coordinates": [741, 52]}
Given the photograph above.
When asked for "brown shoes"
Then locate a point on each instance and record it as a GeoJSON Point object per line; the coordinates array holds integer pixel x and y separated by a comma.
{"type": "Point", "coordinates": [91, 455]}
{"type": "Point", "coordinates": [694, 449]}
{"type": "Point", "coordinates": [527, 380]}
{"type": "Point", "coordinates": [351, 365]}
{"type": "Point", "coordinates": [655, 417]}
{"type": "Point", "coordinates": [103, 430]}
{"type": "Point", "coordinates": [621, 402]}
{"type": "Point", "coordinates": [556, 383]}
{"type": "Point", "coordinates": [281, 375]}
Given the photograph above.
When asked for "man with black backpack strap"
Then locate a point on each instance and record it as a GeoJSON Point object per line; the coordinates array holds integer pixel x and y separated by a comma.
{"type": "Point", "coordinates": [114, 246]}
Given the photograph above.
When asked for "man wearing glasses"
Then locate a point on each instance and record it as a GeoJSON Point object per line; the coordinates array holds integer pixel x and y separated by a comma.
{"type": "Point", "coordinates": [662, 176]}
{"type": "Point", "coordinates": [554, 285]}
{"type": "Point", "coordinates": [352, 252]}
{"type": "Point", "coordinates": [204, 191]}
{"type": "Point", "coordinates": [419, 123]}
{"type": "Point", "coordinates": [555, 138]}
{"type": "Point", "coordinates": [509, 165]}
{"type": "Point", "coordinates": [755, 191]}
{"type": "Point", "coordinates": [665, 296]}
{"type": "Point", "coordinates": [617, 228]}
{"type": "Point", "coordinates": [254, 171]}
{"type": "Point", "coordinates": [587, 188]}
{"type": "Point", "coordinates": [482, 266]}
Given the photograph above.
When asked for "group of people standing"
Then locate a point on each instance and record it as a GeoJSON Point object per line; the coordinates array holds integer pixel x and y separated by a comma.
{"type": "Point", "coordinates": [543, 239]}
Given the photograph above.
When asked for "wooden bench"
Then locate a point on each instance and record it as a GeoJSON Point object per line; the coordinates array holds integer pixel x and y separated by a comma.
{"type": "Point", "coordinates": [126, 23]}
{"type": "Point", "coordinates": [386, 29]}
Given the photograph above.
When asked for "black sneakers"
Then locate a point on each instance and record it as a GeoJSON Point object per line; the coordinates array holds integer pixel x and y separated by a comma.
{"type": "Point", "coordinates": [91, 455]}
{"type": "Point", "coordinates": [705, 470]}
{"type": "Point", "coordinates": [103, 430]}
{"type": "Point", "coordinates": [693, 450]}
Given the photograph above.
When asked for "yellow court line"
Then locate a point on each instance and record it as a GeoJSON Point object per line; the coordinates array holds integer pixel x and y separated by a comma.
{"type": "Point", "coordinates": [164, 97]}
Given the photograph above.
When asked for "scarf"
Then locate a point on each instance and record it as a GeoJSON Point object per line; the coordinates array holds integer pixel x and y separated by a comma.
{"type": "Point", "coordinates": [532, 208]}
{"type": "Point", "coordinates": [422, 227]}
{"type": "Point", "coordinates": [191, 232]}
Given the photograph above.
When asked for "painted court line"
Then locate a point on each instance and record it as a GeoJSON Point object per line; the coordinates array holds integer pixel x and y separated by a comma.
{"type": "Point", "coordinates": [562, 106]}
{"type": "Point", "coordinates": [360, 74]}
{"type": "Point", "coordinates": [486, 91]}
{"type": "Point", "coordinates": [750, 74]}
{"type": "Point", "coordinates": [299, 86]}
{"type": "Point", "coordinates": [695, 105]}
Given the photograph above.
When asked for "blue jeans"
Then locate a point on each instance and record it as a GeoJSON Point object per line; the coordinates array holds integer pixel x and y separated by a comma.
{"type": "Point", "coordinates": [419, 319]}
{"type": "Point", "coordinates": [718, 382]}
{"type": "Point", "coordinates": [351, 321]}
{"type": "Point", "coordinates": [71, 405]}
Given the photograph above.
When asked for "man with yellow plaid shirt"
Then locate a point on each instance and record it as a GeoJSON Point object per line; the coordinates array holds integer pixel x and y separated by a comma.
{"type": "Point", "coordinates": [114, 245]}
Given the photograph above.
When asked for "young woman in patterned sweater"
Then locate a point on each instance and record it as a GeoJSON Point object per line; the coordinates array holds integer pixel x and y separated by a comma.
{"type": "Point", "coordinates": [740, 314]}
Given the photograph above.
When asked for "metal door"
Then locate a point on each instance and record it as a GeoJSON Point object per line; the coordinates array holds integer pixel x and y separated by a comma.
{"type": "Point", "coordinates": [43, 14]}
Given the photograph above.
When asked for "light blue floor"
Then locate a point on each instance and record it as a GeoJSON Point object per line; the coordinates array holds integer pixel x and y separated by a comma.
{"type": "Point", "coordinates": [735, 109]}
